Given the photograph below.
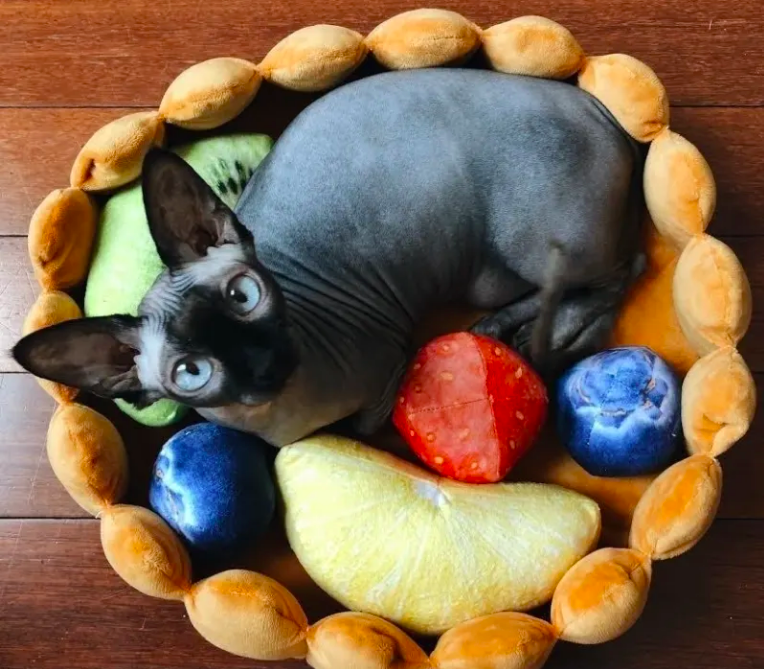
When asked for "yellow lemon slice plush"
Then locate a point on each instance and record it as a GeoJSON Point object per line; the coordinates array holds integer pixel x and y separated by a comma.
{"type": "Point", "coordinates": [383, 536]}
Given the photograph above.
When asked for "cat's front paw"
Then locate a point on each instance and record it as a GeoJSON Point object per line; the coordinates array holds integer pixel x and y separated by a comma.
{"type": "Point", "coordinates": [489, 326]}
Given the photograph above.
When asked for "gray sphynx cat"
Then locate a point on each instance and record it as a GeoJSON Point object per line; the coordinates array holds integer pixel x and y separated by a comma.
{"type": "Point", "coordinates": [383, 199]}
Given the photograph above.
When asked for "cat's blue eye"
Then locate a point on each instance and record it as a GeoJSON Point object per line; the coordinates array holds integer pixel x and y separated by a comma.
{"type": "Point", "coordinates": [243, 294]}
{"type": "Point", "coordinates": [192, 373]}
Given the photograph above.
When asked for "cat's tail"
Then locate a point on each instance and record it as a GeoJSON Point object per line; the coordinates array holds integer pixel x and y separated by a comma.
{"type": "Point", "coordinates": [551, 294]}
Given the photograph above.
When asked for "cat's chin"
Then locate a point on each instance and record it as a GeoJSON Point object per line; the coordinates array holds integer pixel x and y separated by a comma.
{"type": "Point", "coordinates": [258, 399]}
{"type": "Point", "coordinates": [140, 399]}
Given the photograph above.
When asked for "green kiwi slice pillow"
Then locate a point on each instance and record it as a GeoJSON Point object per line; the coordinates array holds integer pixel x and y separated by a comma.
{"type": "Point", "coordinates": [125, 262]}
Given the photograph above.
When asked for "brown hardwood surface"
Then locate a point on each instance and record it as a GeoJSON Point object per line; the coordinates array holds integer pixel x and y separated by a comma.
{"type": "Point", "coordinates": [37, 149]}
{"type": "Point", "coordinates": [66, 68]}
{"type": "Point", "coordinates": [125, 52]}
{"type": "Point", "coordinates": [18, 290]}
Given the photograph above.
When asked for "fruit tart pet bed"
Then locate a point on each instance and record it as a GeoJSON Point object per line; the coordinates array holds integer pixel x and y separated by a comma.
{"type": "Point", "coordinates": [692, 306]}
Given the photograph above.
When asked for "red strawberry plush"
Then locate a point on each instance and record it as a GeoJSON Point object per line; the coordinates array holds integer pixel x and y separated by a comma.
{"type": "Point", "coordinates": [470, 407]}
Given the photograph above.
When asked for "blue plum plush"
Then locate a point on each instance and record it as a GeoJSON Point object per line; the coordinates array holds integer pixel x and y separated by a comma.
{"type": "Point", "coordinates": [213, 486]}
{"type": "Point", "coordinates": [618, 412]}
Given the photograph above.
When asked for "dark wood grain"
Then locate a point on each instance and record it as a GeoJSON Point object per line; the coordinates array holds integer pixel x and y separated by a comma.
{"type": "Point", "coordinates": [38, 146]}
{"type": "Point", "coordinates": [750, 251]}
{"type": "Point", "coordinates": [28, 487]}
{"type": "Point", "coordinates": [64, 562]}
{"type": "Point", "coordinates": [18, 290]}
{"type": "Point", "coordinates": [37, 149]}
{"type": "Point", "coordinates": [732, 141]}
{"type": "Point", "coordinates": [125, 52]}
{"type": "Point", "coordinates": [63, 606]}
{"type": "Point", "coordinates": [706, 610]}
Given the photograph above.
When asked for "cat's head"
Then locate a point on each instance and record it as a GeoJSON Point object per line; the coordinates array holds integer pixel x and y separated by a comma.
{"type": "Point", "coordinates": [210, 332]}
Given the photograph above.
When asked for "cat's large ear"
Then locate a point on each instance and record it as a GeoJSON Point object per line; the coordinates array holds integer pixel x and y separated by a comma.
{"type": "Point", "coordinates": [185, 215]}
{"type": "Point", "coordinates": [93, 354]}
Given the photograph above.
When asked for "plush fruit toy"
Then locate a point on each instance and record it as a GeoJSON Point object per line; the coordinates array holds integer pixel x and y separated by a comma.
{"type": "Point", "coordinates": [470, 407]}
{"type": "Point", "coordinates": [618, 412]}
{"type": "Point", "coordinates": [384, 536]}
{"type": "Point", "coordinates": [213, 486]}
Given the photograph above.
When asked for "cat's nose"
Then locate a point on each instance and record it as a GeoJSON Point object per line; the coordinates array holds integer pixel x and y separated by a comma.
{"type": "Point", "coordinates": [270, 368]}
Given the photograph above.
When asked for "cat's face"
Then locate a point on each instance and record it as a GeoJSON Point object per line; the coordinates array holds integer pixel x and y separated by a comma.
{"type": "Point", "coordinates": [210, 332]}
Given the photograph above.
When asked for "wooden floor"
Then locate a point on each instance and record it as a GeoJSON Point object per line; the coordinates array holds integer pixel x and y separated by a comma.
{"type": "Point", "coordinates": [68, 67]}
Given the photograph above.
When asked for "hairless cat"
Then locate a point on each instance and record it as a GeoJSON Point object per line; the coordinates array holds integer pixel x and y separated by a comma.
{"type": "Point", "coordinates": [382, 200]}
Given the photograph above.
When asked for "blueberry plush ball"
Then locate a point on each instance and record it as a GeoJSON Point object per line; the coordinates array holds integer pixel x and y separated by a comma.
{"type": "Point", "coordinates": [213, 486]}
{"type": "Point", "coordinates": [618, 412]}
